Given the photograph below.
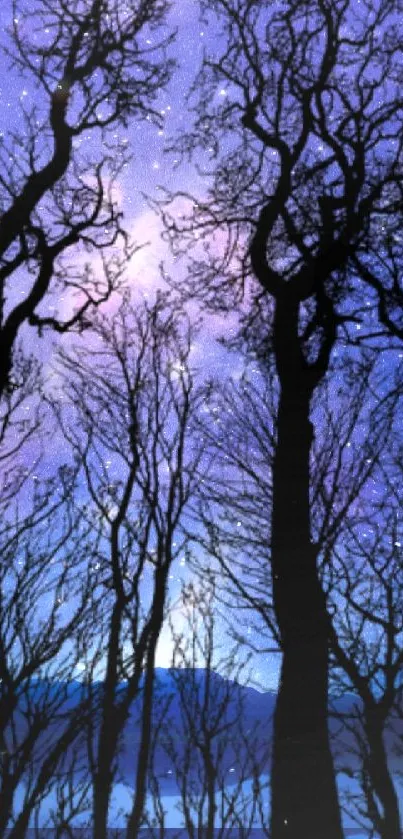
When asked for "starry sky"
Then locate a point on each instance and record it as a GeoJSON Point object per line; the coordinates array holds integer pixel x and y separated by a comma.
{"type": "Point", "coordinates": [148, 171]}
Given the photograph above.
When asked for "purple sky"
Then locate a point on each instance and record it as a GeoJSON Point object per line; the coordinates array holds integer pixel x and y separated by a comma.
{"type": "Point", "coordinates": [149, 170]}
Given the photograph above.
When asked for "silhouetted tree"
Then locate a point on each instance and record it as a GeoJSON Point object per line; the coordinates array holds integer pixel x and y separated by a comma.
{"type": "Point", "coordinates": [21, 418]}
{"type": "Point", "coordinates": [238, 428]}
{"type": "Point", "coordinates": [72, 799]}
{"type": "Point", "coordinates": [354, 503]}
{"type": "Point", "coordinates": [47, 617]}
{"type": "Point", "coordinates": [91, 69]}
{"type": "Point", "coordinates": [365, 587]}
{"type": "Point", "coordinates": [218, 757]}
{"type": "Point", "coordinates": [46, 601]}
{"type": "Point", "coordinates": [297, 124]}
{"type": "Point", "coordinates": [128, 422]}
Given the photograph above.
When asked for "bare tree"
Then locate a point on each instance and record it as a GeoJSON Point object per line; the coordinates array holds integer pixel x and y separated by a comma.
{"type": "Point", "coordinates": [90, 68]}
{"type": "Point", "coordinates": [45, 604]}
{"type": "Point", "coordinates": [127, 416]}
{"type": "Point", "coordinates": [356, 522]}
{"type": "Point", "coordinates": [238, 429]}
{"type": "Point", "coordinates": [365, 587]}
{"type": "Point", "coordinates": [237, 426]}
{"type": "Point", "coordinates": [46, 611]}
{"type": "Point", "coordinates": [297, 125]}
{"type": "Point", "coordinates": [73, 799]}
{"type": "Point", "coordinates": [21, 418]}
{"type": "Point", "coordinates": [215, 752]}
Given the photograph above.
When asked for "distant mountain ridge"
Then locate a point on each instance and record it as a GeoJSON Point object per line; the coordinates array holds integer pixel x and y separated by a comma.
{"type": "Point", "coordinates": [257, 707]}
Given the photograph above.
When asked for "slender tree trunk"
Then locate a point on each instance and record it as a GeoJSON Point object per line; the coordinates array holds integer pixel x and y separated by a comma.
{"type": "Point", "coordinates": [381, 782]}
{"type": "Point", "coordinates": [386, 819]}
{"type": "Point", "coordinates": [211, 802]}
{"type": "Point", "coordinates": [135, 820]}
{"type": "Point", "coordinates": [108, 733]}
{"type": "Point", "coordinates": [136, 816]}
{"type": "Point", "coordinates": [304, 794]}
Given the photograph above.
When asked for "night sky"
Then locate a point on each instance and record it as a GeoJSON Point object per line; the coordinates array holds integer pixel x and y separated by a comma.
{"type": "Point", "coordinates": [149, 170]}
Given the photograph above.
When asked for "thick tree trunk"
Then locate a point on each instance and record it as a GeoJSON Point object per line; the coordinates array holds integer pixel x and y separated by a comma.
{"type": "Point", "coordinates": [5, 360]}
{"type": "Point", "coordinates": [304, 793]}
{"type": "Point", "coordinates": [6, 801]}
